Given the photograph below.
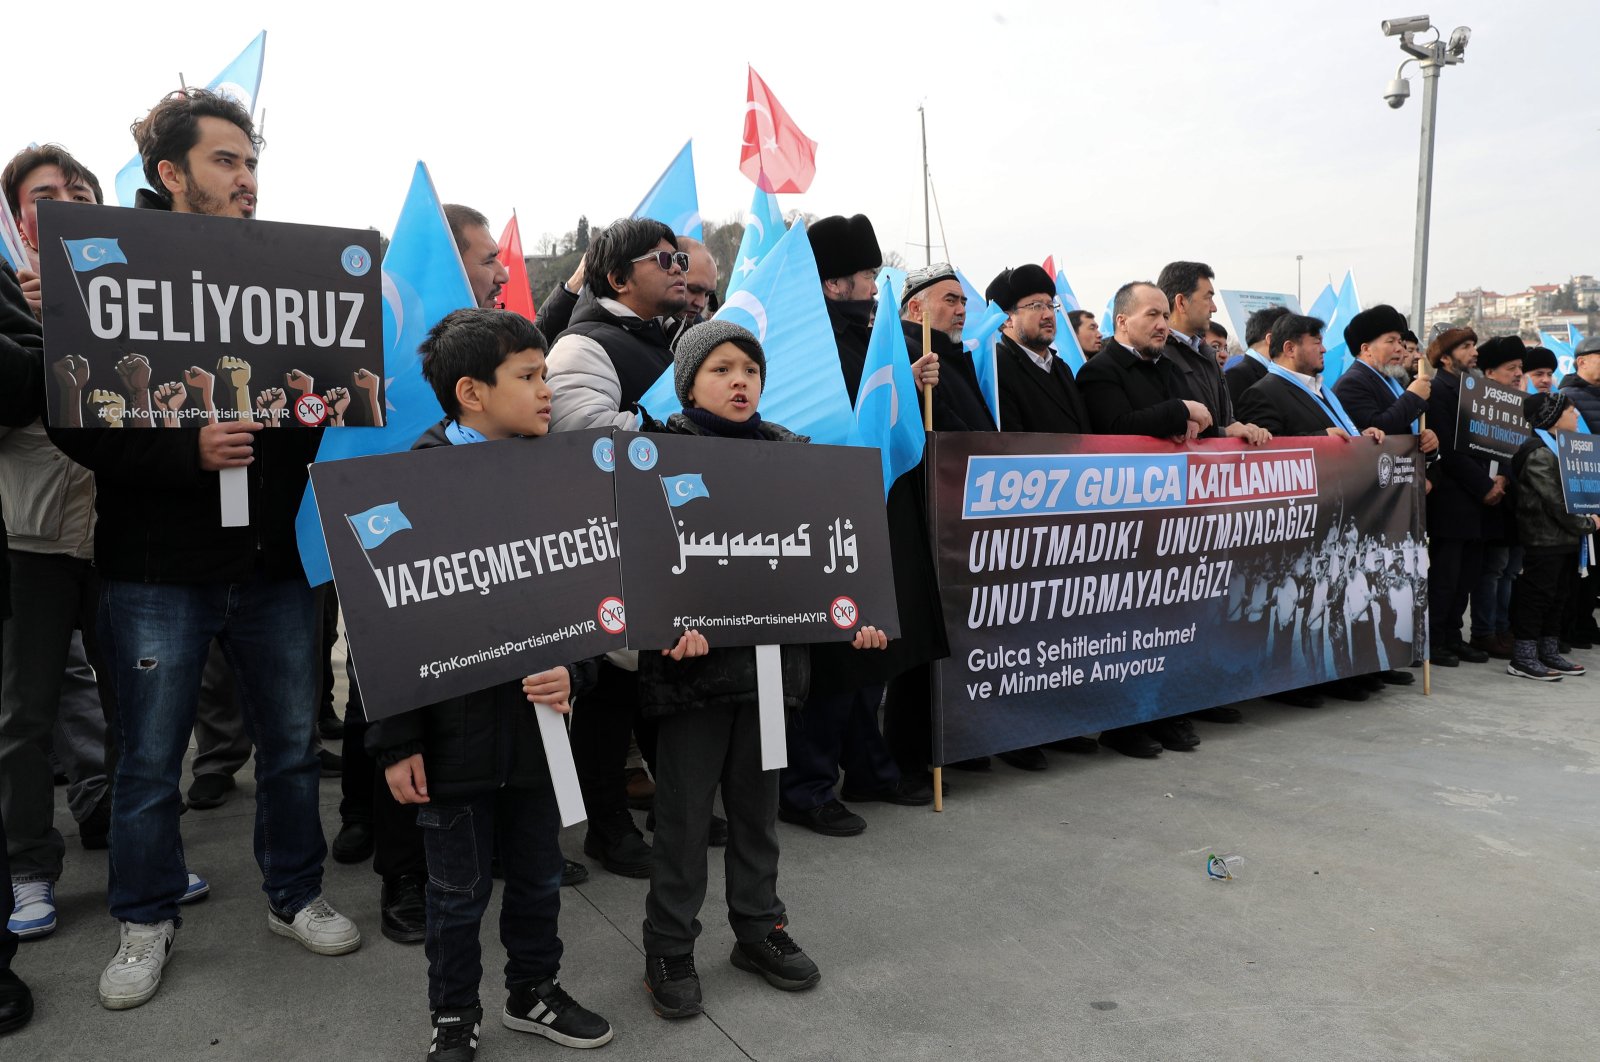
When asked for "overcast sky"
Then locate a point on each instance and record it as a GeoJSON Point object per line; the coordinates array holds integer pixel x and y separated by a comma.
{"type": "Point", "coordinates": [1115, 136]}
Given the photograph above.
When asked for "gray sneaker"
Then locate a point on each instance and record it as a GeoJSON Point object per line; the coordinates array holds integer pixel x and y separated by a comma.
{"type": "Point", "coordinates": [135, 973]}
{"type": "Point", "coordinates": [319, 927]}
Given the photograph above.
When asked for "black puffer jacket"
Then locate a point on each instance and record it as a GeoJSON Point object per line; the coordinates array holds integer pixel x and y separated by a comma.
{"type": "Point", "coordinates": [1584, 395]}
{"type": "Point", "coordinates": [478, 742]}
{"type": "Point", "coordinates": [723, 677]}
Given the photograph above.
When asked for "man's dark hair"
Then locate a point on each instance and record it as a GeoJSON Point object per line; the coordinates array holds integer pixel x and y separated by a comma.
{"type": "Point", "coordinates": [1122, 301]}
{"type": "Point", "coordinates": [1292, 328]}
{"type": "Point", "coordinates": [1075, 318]}
{"type": "Point", "coordinates": [1216, 329]}
{"type": "Point", "coordinates": [460, 217]}
{"type": "Point", "coordinates": [1408, 336]}
{"type": "Point", "coordinates": [614, 248]}
{"type": "Point", "coordinates": [1259, 324]}
{"type": "Point", "coordinates": [1182, 278]}
{"type": "Point", "coordinates": [473, 342]}
{"type": "Point", "coordinates": [29, 159]}
{"type": "Point", "coordinates": [172, 128]}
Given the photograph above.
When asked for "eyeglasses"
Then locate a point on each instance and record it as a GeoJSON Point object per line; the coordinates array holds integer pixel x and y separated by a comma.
{"type": "Point", "coordinates": [667, 259]}
{"type": "Point", "coordinates": [1039, 307]}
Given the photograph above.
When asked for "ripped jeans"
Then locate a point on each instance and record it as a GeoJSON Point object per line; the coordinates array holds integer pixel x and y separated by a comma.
{"type": "Point", "coordinates": [154, 639]}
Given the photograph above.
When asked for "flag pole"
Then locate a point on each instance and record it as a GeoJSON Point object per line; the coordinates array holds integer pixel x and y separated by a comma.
{"type": "Point", "coordinates": [927, 425]}
{"type": "Point", "coordinates": [1425, 371]}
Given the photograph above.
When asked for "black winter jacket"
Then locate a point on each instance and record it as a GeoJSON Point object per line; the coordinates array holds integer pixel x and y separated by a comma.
{"type": "Point", "coordinates": [21, 381]}
{"type": "Point", "coordinates": [958, 402]}
{"type": "Point", "coordinates": [1585, 396]}
{"type": "Point", "coordinates": [479, 742]}
{"type": "Point", "coordinates": [724, 677]}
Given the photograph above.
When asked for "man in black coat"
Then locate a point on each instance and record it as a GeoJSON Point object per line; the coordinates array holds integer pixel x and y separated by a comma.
{"type": "Point", "coordinates": [1132, 388]}
{"type": "Point", "coordinates": [839, 725]}
{"type": "Point", "coordinates": [1462, 489]}
{"type": "Point", "coordinates": [1252, 365]}
{"type": "Point", "coordinates": [1037, 389]}
{"type": "Point", "coordinates": [1193, 299]}
{"type": "Point", "coordinates": [1582, 384]}
{"type": "Point", "coordinates": [1371, 389]}
{"type": "Point", "coordinates": [934, 294]}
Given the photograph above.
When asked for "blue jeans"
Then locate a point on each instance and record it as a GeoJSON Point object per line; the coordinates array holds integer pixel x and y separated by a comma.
{"type": "Point", "coordinates": [1491, 598]}
{"type": "Point", "coordinates": [460, 836]}
{"type": "Point", "coordinates": [154, 639]}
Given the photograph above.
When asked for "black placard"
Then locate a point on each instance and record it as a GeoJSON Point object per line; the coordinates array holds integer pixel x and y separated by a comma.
{"type": "Point", "coordinates": [156, 319]}
{"type": "Point", "coordinates": [752, 543]}
{"type": "Point", "coordinates": [1489, 420]}
{"type": "Point", "coordinates": [461, 567]}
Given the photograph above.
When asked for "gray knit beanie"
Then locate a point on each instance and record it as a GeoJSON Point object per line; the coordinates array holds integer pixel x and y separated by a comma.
{"type": "Point", "coordinates": [697, 344]}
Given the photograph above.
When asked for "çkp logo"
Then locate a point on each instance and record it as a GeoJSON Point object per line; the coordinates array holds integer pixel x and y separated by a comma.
{"type": "Point", "coordinates": [843, 613]}
{"type": "Point", "coordinates": [310, 410]}
{"type": "Point", "coordinates": [613, 617]}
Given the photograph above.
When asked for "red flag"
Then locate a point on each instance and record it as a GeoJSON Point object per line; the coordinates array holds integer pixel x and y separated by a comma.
{"type": "Point", "coordinates": [516, 296]}
{"type": "Point", "coordinates": [1050, 265]}
{"type": "Point", "coordinates": [775, 154]}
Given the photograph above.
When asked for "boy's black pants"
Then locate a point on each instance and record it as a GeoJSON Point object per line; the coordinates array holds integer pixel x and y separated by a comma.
{"type": "Point", "coordinates": [697, 750]}
{"type": "Point", "coordinates": [459, 835]}
{"type": "Point", "coordinates": [1540, 592]}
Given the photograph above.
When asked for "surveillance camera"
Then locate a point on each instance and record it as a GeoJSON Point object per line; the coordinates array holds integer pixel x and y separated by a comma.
{"type": "Point", "coordinates": [1397, 93]}
{"type": "Point", "coordinates": [1394, 27]}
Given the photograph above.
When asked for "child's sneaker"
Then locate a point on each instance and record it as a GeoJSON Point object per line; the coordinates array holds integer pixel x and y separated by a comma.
{"type": "Point", "coordinates": [546, 1010]}
{"type": "Point", "coordinates": [455, 1034]}
{"type": "Point", "coordinates": [673, 984]}
{"type": "Point", "coordinates": [134, 973]}
{"type": "Point", "coordinates": [33, 909]}
{"type": "Point", "coordinates": [318, 927]}
{"type": "Point", "coordinates": [778, 959]}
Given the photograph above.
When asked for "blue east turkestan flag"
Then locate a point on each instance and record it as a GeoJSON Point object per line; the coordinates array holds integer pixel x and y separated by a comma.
{"type": "Point", "coordinates": [374, 526]}
{"type": "Point", "coordinates": [887, 413]}
{"type": "Point", "coordinates": [240, 80]}
{"type": "Point", "coordinates": [91, 254]}
{"type": "Point", "coordinates": [681, 490]}
{"type": "Point", "coordinates": [673, 199]}
{"type": "Point", "coordinates": [1322, 309]}
{"type": "Point", "coordinates": [782, 305]}
{"type": "Point", "coordinates": [1338, 355]}
{"type": "Point", "coordinates": [422, 281]}
{"type": "Point", "coordinates": [763, 228]}
{"type": "Point", "coordinates": [978, 334]}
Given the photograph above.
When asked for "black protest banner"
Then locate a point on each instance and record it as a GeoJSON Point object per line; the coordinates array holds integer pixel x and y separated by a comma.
{"type": "Point", "coordinates": [1489, 420]}
{"type": "Point", "coordinates": [1579, 457]}
{"type": "Point", "coordinates": [156, 319]}
{"type": "Point", "coordinates": [1091, 582]}
{"type": "Point", "coordinates": [753, 543]}
{"type": "Point", "coordinates": [460, 567]}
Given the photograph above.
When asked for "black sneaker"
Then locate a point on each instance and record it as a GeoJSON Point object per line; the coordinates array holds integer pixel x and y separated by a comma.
{"type": "Point", "coordinates": [354, 843]}
{"type": "Point", "coordinates": [455, 1034]}
{"type": "Point", "coordinates": [573, 873]}
{"type": "Point", "coordinates": [778, 959]}
{"type": "Point", "coordinates": [1531, 669]}
{"type": "Point", "coordinates": [832, 819]}
{"type": "Point", "coordinates": [546, 1010]}
{"type": "Point", "coordinates": [673, 985]}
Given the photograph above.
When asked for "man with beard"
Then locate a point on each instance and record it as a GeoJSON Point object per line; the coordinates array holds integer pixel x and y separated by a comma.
{"type": "Point", "coordinates": [174, 580]}
{"type": "Point", "coordinates": [1373, 390]}
{"type": "Point", "coordinates": [838, 726]}
{"type": "Point", "coordinates": [933, 293]}
{"type": "Point", "coordinates": [1132, 388]}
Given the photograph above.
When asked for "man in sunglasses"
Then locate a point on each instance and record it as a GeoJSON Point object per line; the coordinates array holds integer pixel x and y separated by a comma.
{"type": "Point", "coordinates": [614, 349]}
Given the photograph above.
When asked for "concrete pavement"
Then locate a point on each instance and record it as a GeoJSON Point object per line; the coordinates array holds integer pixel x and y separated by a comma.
{"type": "Point", "coordinates": [1417, 883]}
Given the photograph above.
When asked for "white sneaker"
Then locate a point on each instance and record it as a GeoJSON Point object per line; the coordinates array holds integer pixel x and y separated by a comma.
{"type": "Point", "coordinates": [135, 973]}
{"type": "Point", "coordinates": [319, 927]}
{"type": "Point", "coordinates": [33, 910]}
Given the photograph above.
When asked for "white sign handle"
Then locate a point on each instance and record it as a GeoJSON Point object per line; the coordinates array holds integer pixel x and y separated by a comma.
{"type": "Point", "coordinates": [769, 696]}
{"type": "Point", "coordinates": [563, 772]}
{"type": "Point", "coordinates": [235, 497]}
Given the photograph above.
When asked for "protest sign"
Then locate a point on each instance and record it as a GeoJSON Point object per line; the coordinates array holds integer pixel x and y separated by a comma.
{"type": "Point", "coordinates": [1489, 420]}
{"type": "Point", "coordinates": [461, 567]}
{"type": "Point", "coordinates": [1579, 457]}
{"type": "Point", "coordinates": [159, 319]}
{"type": "Point", "coordinates": [1091, 582]}
{"type": "Point", "coordinates": [753, 543]}
{"type": "Point", "coordinates": [1241, 304]}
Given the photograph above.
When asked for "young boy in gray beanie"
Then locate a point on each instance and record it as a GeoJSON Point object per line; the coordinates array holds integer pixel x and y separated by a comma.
{"type": "Point", "coordinates": [1551, 538]}
{"type": "Point", "coordinates": [709, 732]}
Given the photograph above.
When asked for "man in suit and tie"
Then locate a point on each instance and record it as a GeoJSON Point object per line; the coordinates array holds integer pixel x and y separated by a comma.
{"type": "Point", "coordinates": [1252, 364]}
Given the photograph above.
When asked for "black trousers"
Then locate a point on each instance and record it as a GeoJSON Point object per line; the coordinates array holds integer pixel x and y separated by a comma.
{"type": "Point", "coordinates": [698, 750]}
{"type": "Point", "coordinates": [365, 797]}
{"type": "Point", "coordinates": [1540, 594]}
{"type": "Point", "coordinates": [8, 939]}
{"type": "Point", "coordinates": [602, 721]}
{"type": "Point", "coordinates": [1454, 568]}
{"type": "Point", "coordinates": [908, 719]}
{"type": "Point", "coordinates": [833, 731]}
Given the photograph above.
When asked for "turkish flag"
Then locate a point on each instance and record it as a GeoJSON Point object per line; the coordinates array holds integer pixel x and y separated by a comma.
{"type": "Point", "coordinates": [516, 296]}
{"type": "Point", "coordinates": [775, 154]}
{"type": "Point", "coordinates": [1050, 265]}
